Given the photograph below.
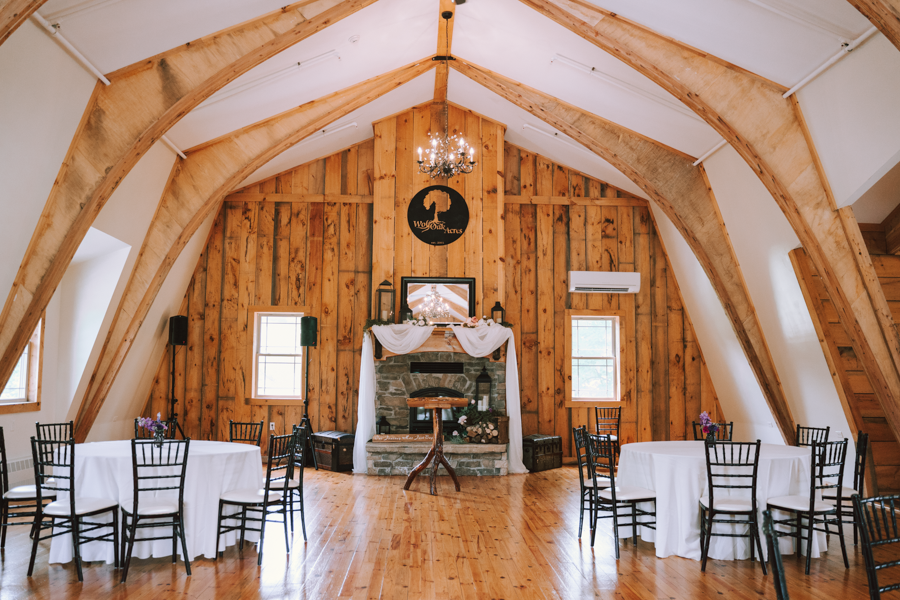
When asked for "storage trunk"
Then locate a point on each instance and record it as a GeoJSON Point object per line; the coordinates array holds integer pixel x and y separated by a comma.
{"type": "Point", "coordinates": [334, 450]}
{"type": "Point", "coordinates": [542, 452]}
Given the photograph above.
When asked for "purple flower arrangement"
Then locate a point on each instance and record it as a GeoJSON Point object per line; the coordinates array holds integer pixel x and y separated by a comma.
{"type": "Point", "coordinates": [709, 428]}
{"type": "Point", "coordinates": [156, 427]}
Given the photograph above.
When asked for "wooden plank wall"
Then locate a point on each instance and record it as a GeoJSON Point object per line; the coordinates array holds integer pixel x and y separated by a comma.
{"type": "Point", "coordinates": [863, 410]}
{"type": "Point", "coordinates": [316, 255]}
{"type": "Point", "coordinates": [329, 256]}
{"type": "Point", "coordinates": [613, 232]}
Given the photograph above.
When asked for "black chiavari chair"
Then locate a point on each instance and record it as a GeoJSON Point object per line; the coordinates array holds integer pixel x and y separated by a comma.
{"type": "Point", "coordinates": [859, 476]}
{"type": "Point", "coordinates": [730, 467]}
{"type": "Point", "coordinates": [295, 483]}
{"type": "Point", "coordinates": [607, 421]}
{"type": "Point", "coordinates": [826, 474]}
{"type": "Point", "coordinates": [55, 432]}
{"type": "Point", "coordinates": [272, 499]}
{"type": "Point", "coordinates": [781, 592]}
{"type": "Point", "coordinates": [158, 472]}
{"type": "Point", "coordinates": [245, 432]}
{"type": "Point", "coordinates": [807, 435]}
{"type": "Point", "coordinates": [19, 502]}
{"type": "Point", "coordinates": [612, 499]}
{"type": "Point", "coordinates": [878, 529]}
{"type": "Point", "coordinates": [58, 458]}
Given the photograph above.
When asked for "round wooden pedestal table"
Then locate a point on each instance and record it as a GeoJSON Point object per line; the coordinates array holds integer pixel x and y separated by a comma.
{"type": "Point", "coordinates": [436, 404]}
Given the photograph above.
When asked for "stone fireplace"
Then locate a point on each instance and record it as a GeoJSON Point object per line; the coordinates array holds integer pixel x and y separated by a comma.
{"type": "Point", "coordinates": [404, 376]}
{"type": "Point", "coordinates": [399, 377]}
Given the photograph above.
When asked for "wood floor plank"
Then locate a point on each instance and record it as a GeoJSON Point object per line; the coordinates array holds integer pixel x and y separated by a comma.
{"type": "Point", "coordinates": [500, 537]}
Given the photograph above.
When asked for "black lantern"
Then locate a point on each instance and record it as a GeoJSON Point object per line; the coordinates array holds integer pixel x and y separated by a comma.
{"type": "Point", "coordinates": [484, 386]}
{"type": "Point", "coordinates": [497, 313]}
{"type": "Point", "coordinates": [406, 313]}
{"type": "Point", "coordinates": [383, 426]}
{"type": "Point", "coordinates": [384, 302]}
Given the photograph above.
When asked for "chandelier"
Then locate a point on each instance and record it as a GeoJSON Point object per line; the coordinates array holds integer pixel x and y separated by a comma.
{"type": "Point", "coordinates": [449, 155]}
{"type": "Point", "coordinates": [434, 307]}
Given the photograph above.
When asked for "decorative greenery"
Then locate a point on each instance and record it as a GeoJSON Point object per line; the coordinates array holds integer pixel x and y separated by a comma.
{"type": "Point", "coordinates": [477, 425]}
{"type": "Point", "coordinates": [371, 322]}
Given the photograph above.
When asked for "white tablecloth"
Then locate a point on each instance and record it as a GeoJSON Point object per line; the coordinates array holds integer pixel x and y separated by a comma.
{"type": "Point", "coordinates": [103, 469]}
{"type": "Point", "coordinates": [676, 471]}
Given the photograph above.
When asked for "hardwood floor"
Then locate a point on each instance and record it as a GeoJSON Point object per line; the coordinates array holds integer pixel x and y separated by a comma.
{"type": "Point", "coordinates": [501, 537]}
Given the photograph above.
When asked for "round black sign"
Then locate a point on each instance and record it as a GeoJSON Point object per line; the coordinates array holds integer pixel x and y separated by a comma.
{"type": "Point", "coordinates": [438, 215]}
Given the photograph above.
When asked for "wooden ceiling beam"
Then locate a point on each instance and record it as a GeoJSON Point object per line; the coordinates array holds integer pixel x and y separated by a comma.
{"type": "Point", "coordinates": [769, 133]}
{"type": "Point", "coordinates": [15, 12]}
{"type": "Point", "coordinates": [195, 190]}
{"type": "Point", "coordinates": [683, 193]}
{"type": "Point", "coordinates": [884, 14]}
{"type": "Point", "coordinates": [121, 122]}
{"type": "Point", "coordinates": [444, 48]}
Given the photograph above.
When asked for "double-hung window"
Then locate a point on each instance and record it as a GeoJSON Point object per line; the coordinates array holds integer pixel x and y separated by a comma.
{"type": "Point", "coordinates": [593, 357]}
{"type": "Point", "coordinates": [278, 357]}
{"type": "Point", "coordinates": [23, 389]}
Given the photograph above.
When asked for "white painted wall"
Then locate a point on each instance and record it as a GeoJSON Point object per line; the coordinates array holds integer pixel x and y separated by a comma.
{"type": "Point", "coordinates": [43, 93]}
{"type": "Point", "coordinates": [85, 292]}
{"type": "Point", "coordinates": [131, 389]}
{"type": "Point", "coordinates": [762, 237]}
{"type": "Point", "coordinates": [853, 117]}
{"type": "Point", "coordinates": [739, 393]}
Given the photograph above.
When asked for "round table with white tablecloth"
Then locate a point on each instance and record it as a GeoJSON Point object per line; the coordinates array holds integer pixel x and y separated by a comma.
{"type": "Point", "coordinates": [676, 471]}
{"type": "Point", "coordinates": [104, 470]}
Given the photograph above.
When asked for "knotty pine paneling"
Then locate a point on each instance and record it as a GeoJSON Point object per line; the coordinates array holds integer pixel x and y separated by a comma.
{"type": "Point", "coordinates": [320, 255]}
{"type": "Point", "coordinates": [317, 255]}
{"type": "Point", "coordinates": [864, 412]}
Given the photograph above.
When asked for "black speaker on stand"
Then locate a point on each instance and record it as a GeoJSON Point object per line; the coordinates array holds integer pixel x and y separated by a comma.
{"type": "Point", "coordinates": [178, 330]}
{"type": "Point", "coordinates": [309, 331]}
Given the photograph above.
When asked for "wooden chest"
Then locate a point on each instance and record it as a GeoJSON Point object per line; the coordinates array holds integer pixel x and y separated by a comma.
{"type": "Point", "coordinates": [334, 450]}
{"type": "Point", "coordinates": [542, 452]}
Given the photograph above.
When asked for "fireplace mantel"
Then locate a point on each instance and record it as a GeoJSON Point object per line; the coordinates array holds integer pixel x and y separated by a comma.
{"type": "Point", "coordinates": [442, 340]}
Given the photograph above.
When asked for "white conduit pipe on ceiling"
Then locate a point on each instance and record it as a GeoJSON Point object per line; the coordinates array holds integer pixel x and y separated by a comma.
{"type": "Point", "coordinates": [62, 41]}
{"type": "Point", "coordinates": [56, 35]}
{"type": "Point", "coordinates": [844, 52]}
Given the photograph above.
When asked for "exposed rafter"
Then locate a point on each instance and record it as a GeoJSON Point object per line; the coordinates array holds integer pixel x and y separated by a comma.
{"type": "Point", "coordinates": [444, 47]}
{"type": "Point", "coordinates": [13, 13]}
{"type": "Point", "coordinates": [196, 188]}
{"type": "Point", "coordinates": [682, 191]}
{"type": "Point", "coordinates": [769, 133]}
{"type": "Point", "coordinates": [121, 122]}
{"type": "Point", "coordinates": [884, 14]}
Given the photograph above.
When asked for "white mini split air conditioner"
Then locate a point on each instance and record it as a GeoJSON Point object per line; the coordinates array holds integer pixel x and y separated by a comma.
{"type": "Point", "coordinates": [604, 282]}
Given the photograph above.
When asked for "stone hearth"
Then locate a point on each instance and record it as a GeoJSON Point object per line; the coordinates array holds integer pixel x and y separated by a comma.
{"type": "Point", "coordinates": [391, 458]}
{"type": "Point", "coordinates": [394, 383]}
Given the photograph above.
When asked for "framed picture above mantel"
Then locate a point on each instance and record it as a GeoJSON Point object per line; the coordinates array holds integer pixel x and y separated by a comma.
{"type": "Point", "coordinates": [439, 300]}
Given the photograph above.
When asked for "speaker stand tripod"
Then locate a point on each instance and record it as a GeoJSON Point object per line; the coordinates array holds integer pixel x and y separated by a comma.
{"type": "Point", "coordinates": [173, 416]}
{"type": "Point", "coordinates": [304, 421]}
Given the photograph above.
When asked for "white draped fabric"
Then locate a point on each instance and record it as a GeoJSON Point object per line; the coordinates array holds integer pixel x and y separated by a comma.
{"type": "Point", "coordinates": [403, 339]}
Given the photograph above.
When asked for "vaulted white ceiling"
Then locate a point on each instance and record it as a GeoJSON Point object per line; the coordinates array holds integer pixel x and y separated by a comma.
{"type": "Point", "coordinates": [783, 40]}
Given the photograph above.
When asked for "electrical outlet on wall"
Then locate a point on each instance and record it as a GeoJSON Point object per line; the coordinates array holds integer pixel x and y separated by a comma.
{"type": "Point", "coordinates": [272, 426]}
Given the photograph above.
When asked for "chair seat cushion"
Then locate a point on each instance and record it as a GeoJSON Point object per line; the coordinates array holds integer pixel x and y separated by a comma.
{"type": "Point", "coordinates": [628, 493]}
{"type": "Point", "coordinates": [27, 492]}
{"type": "Point", "coordinates": [277, 485]}
{"type": "Point", "coordinates": [601, 483]}
{"type": "Point", "coordinates": [798, 503]}
{"type": "Point", "coordinates": [148, 507]}
{"type": "Point", "coordinates": [83, 506]}
{"type": "Point", "coordinates": [728, 504]}
{"type": "Point", "coordinates": [250, 496]}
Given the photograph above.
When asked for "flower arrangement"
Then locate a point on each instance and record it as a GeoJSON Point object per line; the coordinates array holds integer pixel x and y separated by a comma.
{"type": "Point", "coordinates": [157, 427]}
{"type": "Point", "coordinates": [477, 426]}
{"type": "Point", "coordinates": [707, 425]}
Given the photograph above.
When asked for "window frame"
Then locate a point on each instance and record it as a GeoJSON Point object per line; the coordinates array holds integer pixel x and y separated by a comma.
{"type": "Point", "coordinates": [624, 374]}
{"type": "Point", "coordinates": [35, 349]}
{"type": "Point", "coordinates": [251, 364]}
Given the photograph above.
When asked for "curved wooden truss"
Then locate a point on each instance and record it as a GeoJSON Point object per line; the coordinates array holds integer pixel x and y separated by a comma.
{"type": "Point", "coordinates": [884, 14]}
{"type": "Point", "coordinates": [15, 12]}
{"type": "Point", "coordinates": [194, 191]}
{"type": "Point", "coordinates": [770, 134]}
{"type": "Point", "coordinates": [120, 123]}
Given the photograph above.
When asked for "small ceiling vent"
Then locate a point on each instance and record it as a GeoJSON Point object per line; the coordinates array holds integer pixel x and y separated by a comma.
{"type": "Point", "coordinates": [604, 282]}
